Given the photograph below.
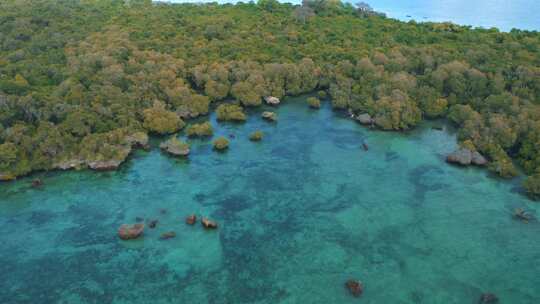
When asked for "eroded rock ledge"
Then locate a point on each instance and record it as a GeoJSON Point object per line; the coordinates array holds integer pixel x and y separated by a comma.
{"type": "Point", "coordinates": [466, 157]}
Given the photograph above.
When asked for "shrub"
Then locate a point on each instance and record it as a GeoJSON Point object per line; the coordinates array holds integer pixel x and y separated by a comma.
{"type": "Point", "coordinates": [221, 143]}
{"type": "Point", "coordinates": [314, 102]}
{"type": "Point", "coordinates": [158, 120]}
{"type": "Point", "coordinates": [230, 112]}
{"type": "Point", "coordinates": [256, 136]}
{"type": "Point", "coordinates": [200, 130]}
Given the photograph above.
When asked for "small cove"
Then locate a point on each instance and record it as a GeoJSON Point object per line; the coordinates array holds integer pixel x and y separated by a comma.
{"type": "Point", "coordinates": [300, 213]}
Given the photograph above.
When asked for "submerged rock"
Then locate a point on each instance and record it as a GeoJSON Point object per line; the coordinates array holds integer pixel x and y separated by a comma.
{"type": "Point", "coordinates": [175, 147]}
{"type": "Point", "coordinates": [208, 224]}
{"type": "Point", "coordinates": [488, 298]}
{"type": "Point", "coordinates": [191, 219]}
{"type": "Point", "coordinates": [365, 119]}
{"type": "Point", "coordinates": [271, 100]}
{"type": "Point", "coordinates": [356, 288]}
{"type": "Point", "coordinates": [270, 116]}
{"type": "Point", "coordinates": [37, 183]}
{"type": "Point", "coordinates": [130, 232]}
{"type": "Point", "coordinates": [167, 235]}
{"type": "Point", "coordinates": [152, 224]}
{"type": "Point", "coordinates": [365, 146]}
{"type": "Point", "coordinates": [522, 215]}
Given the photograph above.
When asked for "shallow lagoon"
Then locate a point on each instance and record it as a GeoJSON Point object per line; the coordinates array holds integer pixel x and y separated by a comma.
{"type": "Point", "coordinates": [300, 213]}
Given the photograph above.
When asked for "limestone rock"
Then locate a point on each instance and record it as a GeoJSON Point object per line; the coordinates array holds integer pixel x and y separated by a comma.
{"type": "Point", "coordinates": [36, 183]}
{"type": "Point", "coordinates": [152, 224]}
{"type": "Point", "coordinates": [106, 165]}
{"type": "Point", "coordinates": [271, 100]}
{"type": "Point", "coordinates": [168, 235]}
{"type": "Point", "coordinates": [69, 164]}
{"type": "Point", "coordinates": [465, 157]}
{"type": "Point", "coordinates": [175, 147]}
{"type": "Point", "coordinates": [365, 119]}
{"type": "Point", "coordinates": [461, 156]}
{"type": "Point", "coordinates": [138, 140]}
{"type": "Point", "coordinates": [208, 224]}
{"type": "Point", "coordinates": [478, 159]}
{"type": "Point", "coordinates": [488, 298]}
{"type": "Point", "coordinates": [130, 232]}
{"type": "Point", "coordinates": [191, 220]}
{"type": "Point", "coordinates": [356, 288]}
{"type": "Point", "coordinates": [4, 177]}
{"type": "Point", "coordinates": [270, 116]}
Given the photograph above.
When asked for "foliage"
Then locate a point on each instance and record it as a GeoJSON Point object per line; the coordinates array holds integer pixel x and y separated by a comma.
{"type": "Point", "coordinates": [532, 186]}
{"type": "Point", "coordinates": [221, 143]}
{"type": "Point", "coordinates": [200, 130]}
{"type": "Point", "coordinates": [158, 120]}
{"type": "Point", "coordinates": [314, 102]}
{"type": "Point", "coordinates": [256, 136]}
{"type": "Point", "coordinates": [232, 112]}
{"type": "Point", "coordinates": [75, 75]}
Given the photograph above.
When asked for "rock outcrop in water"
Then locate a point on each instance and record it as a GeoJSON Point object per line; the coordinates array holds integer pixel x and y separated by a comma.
{"type": "Point", "coordinates": [356, 288]}
{"type": "Point", "coordinates": [488, 298]}
{"type": "Point", "coordinates": [364, 119]}
{"type": "Point", "coordinates": [106, 165]}
{"type": "Point", "coordinates": [466, 157]}
{"type": "Point", "coordinates": [271, 100]}
{"type": "Point", "coordinates": [111, 158]}
{"type": "Point", "coordinates": [167, 235]}
{"type": "Point", "coordinates": [191, 219]}
{"type": "Point", "coordinates": [208, 224]}
{"type": "Point", "coordinates": [152, 224]}
{"type": "Point", "coordinates": [138, 140]}
{"type": "Point", "coordinates": [522, 215]}
{"type": "Point", "coordinates": [256, 136]}
{"type": "Point", "coordinates": [175, 147]}
{"type": "Point", "coordinates": [36, 183]}
{"type": "Point", "coordinates": [270, 116]}
{"type": "Point", "coordinates": [130, 232]}
{"type": "Point", "coordinates": [4, 177]}
{"type": "Point", "coordinates": [221, 144]}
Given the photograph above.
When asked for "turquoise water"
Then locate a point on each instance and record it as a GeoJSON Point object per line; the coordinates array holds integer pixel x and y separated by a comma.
{"type": "Point", "coordinates": [299, 213]}
{"type": "Point", "coordinates": [502, 14]}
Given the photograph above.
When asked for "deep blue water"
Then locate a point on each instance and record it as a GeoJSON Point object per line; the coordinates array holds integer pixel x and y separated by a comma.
{"type": "Point", "coordinates": [299, 214]}
{"type": "Point", "coordinates": [502, 14]}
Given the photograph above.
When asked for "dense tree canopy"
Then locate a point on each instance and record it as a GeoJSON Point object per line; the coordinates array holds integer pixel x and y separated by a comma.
{"type": "Point", "coordinates": [77, 77]}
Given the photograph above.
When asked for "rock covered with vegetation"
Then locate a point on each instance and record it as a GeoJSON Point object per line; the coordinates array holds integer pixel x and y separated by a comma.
{"type": "Point", "coordinates": [230, 112]}
{"type": "Point", "coordinates": [256, 136]}
{"type": "Point", "coordinates": [465, 157]}
{"type": "Point", "coordinates": [65, 94]}
{"type": "Point", "coordinates": [314, 102]}
{"type": "Point", "coordinates": [130, 232]}
{"type": "Point", "coordinates": [158, 119]}
{"type": "Point", "coordinates": [270, 116]}
{"type": "Point", "coordinates": [221, 144]}
{"type": "Point", "coordinates": [175, 147]}
{"type": "Point", "coordinates": [200, 130]}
